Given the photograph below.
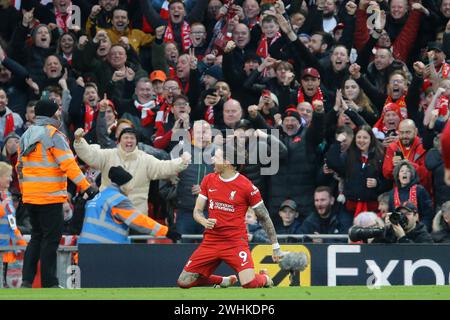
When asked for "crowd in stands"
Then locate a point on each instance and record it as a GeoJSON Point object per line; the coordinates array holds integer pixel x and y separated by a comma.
{"type": "Point", "coordinates": [357, 90]}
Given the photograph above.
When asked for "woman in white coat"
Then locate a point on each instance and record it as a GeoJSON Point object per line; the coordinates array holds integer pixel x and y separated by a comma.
{"type": "Point", "coordinates": [142, 166]}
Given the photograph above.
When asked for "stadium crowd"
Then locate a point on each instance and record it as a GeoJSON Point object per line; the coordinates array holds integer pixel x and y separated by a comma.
{"type": "Point", "coordinates": [358, 92]}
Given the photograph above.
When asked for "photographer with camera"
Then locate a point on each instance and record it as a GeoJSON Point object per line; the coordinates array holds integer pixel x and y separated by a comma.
{"type": "Point", "coordinates": [404, 223]}
{"type": "Point", "coordinates": [401, 226]}
{"type": "Point", "coordinates": [367, 228]}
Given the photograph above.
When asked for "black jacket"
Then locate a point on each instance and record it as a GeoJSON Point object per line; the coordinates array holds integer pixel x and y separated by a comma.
{"type": "Point", "coordinates": [441, 230]}
{"type": "Point", "coordinates": [355, 178]}
{"type": "Point", "coordinates": [434, 163]}
{"type": "Point", "coordinates": [331, 225]}
{"type": "Point", "coordinates": [294, 228]}
{"type": "Point", "coordinates": [296, 178]}
{"type": "Point", "coordinates": [424, 202]}
{"type": "Point", "coordinates": [418, 235]}
{"type": "Point", "coordinates": [378, 97]}
{"type": "Point", "coordinates": [253, 170]}
{"type": "Point", "coordinates": [193, 175]}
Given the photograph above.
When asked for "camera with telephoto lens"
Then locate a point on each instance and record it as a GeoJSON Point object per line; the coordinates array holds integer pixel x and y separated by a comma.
{"type": "Point", "coordinates": [398, 218]}
{"type": "Point", "coordinates": [364, 233]}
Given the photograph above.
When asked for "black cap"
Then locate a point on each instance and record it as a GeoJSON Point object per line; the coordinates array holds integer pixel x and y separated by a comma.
{"type": "Point", "coordinates": [243, 124]}
{"type": "Point", "coordinates": [215, 72]}
{"type": "Point", "coordinates": [434, 46]}
{"type": "Point", "coordinates": [128, 130]}
{"type": "Point", "coordinates": [46, 108]}
{"type": "Point", "coordinates": [119, 175]}
{"type": "Point", "coordinates": [407, 205]}
{"type": "Point", "coordinates": [252, 56]}
{"type": "Point", "coordinates": [292, 112]}
{"type": "Point", "coordinates": [289, 203]}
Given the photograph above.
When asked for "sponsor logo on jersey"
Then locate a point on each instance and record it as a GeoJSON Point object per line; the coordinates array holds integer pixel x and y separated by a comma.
{"type": "Point", "coordinates": [221, 206]}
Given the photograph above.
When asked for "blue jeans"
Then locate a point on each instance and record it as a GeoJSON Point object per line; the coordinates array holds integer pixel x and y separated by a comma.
{"type": "Point", "coordinates": [187, 225]}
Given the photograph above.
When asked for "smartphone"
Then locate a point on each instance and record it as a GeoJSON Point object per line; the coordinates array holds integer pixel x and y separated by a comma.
{"type": "Point", "coordinates": [391, 132]}
{"type": "Point", "coordinates": [398, 153]}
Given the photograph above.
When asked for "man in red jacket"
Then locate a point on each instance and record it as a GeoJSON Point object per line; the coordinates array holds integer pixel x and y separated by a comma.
{"type": "Point", "coordinates": [445, 144]}
{"type": "Point", "coordinates": [407, 147]}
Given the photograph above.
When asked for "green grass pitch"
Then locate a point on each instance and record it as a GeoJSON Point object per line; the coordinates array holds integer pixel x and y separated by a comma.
{"type": "Point", "coordinates": [235, 293]}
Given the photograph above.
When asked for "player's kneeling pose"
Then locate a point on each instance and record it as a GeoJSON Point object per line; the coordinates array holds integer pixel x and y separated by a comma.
{"type": "Point", "coordinates": [227, 194]}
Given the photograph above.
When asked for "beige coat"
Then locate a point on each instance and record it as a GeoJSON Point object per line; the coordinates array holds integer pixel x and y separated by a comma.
{"type": "Point", "coordinates": [142, 166]}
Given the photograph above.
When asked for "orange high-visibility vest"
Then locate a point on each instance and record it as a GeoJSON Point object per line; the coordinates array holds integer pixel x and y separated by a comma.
{"type": "Point", "coordinates": [43, 172]}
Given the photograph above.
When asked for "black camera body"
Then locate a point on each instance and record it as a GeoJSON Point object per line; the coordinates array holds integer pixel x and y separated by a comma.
{"type": "Point", "coordinates": [398, 218]}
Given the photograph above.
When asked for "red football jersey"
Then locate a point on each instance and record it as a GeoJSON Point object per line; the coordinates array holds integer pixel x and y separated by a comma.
{"type": "Point", "coordinates": [228, 201]}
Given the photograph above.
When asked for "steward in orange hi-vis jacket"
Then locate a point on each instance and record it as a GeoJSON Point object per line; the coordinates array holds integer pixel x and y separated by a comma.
{"type": "Point", "coordinates": [44, 163]}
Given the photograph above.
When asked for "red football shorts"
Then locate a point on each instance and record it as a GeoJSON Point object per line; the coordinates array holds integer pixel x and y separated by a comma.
{"type": "Point", "coordinates": [207, 258]}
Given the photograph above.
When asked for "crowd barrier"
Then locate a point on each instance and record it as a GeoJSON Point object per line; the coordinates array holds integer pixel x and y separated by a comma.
{"type": "Point", "coordinates": [158, 265]}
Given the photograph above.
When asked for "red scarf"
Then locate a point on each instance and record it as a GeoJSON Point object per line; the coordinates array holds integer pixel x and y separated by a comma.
{"type": "Point", "coordinates": [442, 105]}
{"type": "Point", "coordinates": [164, 12]}
{"type": "Point", "coordinates": [162, 115]}
{"type": "Point", "coordinates": [263, 48]}
{"type": "Point", "coordinates": [185, 35]}
{"type": "Point", "coordinates": [68, 58]}
{"type": "Point", "coordinates": [444, 70]}
{"type": "Point", "coordinates": [146, 27]}
{"type": "Point", "coordinates": [9, 125]}
{"type": "Point", "coordinates": [147, 114]}
{"type": "Point", "coordinates": [209, 114]}
{"type": "Point", "coordinates": [364, 159]}
{"type": "Point", "coordinates": [317, 97]}
{"type": "Point", "coordinates": [88, 117]}
{"type": "Point", "coordinates": [63, 18]}
{"type": "Point", "coordinates": [412, 196]}
{"type": "Point", "coordinates": [172, 72]}
{"type": "Point", "coordinates": [185, 89]}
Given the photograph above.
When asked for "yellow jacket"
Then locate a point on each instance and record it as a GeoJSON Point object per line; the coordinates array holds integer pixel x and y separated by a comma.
{"type": "Point", "coordinates": [136, 38]}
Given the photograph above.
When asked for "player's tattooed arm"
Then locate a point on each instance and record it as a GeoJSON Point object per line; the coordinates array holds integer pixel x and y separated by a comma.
{"type": "Point", "coordinates": [266, 223]}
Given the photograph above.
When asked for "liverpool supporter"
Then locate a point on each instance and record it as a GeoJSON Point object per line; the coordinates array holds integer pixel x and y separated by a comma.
{"type": "Point", "coordinates": [407, 188]}
{"type": "Point", "coordinates": [289, 223]}
{"type": "Point", "coordinates": [45, 161]}
{"type": "Point", "coordinates": [227, 192]}
{"type": "Point", "coordinates": [178, 22]}
{"type": "Point", "coordinates": [412, 231]}
{"type": "Point", "coordinates": [361, 168]}
{"type": "Point", "coordinates": [201, 149]}
{"type": "Point", "coordinates": [142, 166]}
{"type": "Point", "coordinates": [9, 121]}
{"type": "Point", "coordinates": [9, 232]}
{"type": "Point", "coordinates": [101, 16]}
{"type": "Point", "coordinates": [325, 217]}
{"type": "Point", "coordinates": [293, 181]}
{"type": "Point", "coordinates": [121, 33]}
{"type": "Point", "coordinates": [441, 225]}
{"type": "Point", "coordinates": [408, 147]}
{"type": "Point", "coordinates": [110, 214]}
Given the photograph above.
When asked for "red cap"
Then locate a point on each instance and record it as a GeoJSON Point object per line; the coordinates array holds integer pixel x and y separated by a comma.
{"type": "Point", "coordinates": [311, 72]}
